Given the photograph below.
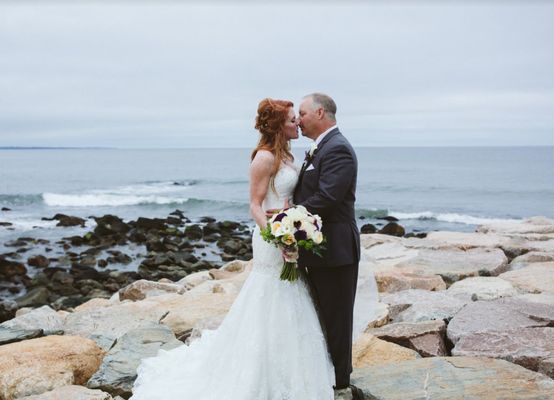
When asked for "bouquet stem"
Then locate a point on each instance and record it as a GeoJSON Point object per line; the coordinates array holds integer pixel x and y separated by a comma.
{"type": "Point", "coordinates": [289, 272]}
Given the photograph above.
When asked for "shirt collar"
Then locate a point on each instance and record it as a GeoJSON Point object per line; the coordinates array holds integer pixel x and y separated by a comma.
{"type": "Point", "coordinates": [320, 137]}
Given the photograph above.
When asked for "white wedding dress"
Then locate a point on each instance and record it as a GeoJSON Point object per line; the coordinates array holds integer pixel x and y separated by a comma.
{"type": "Point", "coordinates": [270, 346]}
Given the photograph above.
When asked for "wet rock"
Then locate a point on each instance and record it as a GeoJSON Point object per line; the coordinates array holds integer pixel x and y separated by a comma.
{"type": "Point", "coordinates": [207, 219]}
{"type": "Point", "coordinates": [230, 246]}
{"type": "Point", "coordinates": [6, 209]}
{"type": "Point", "coordinates": [6, 224]}
{"type": "Point", "coordinates": [35, 297]}
{"type": "Point", "coordinates": [393, 229]}
{"type": "Point", "coordinates": [368, 350]}
{"type": "Point", "coordinates": [10, 270]}
{"type": "Point", "coordinates": [102, 263]}
{"type": "Point", "coordinates": [449, 378]}
{"type": "Point", "coordinates": [178, 213]}
{"type": "Point", "coordinates": [118, 370]}
{"type": "Point", "coordinates": [151, 223]}
{"type": "Point", "coordinates": [173, 221]}
{"type": "Point", "coordinates": [71, 392]}
{"type": "Point", "coordinates": [427, 338]}
{"type": "Point", "coordinates": [110, 225]}
{"type": "Point", "coordinates": [80, 272]}
{"type": "Point", "coordinates": [194, 232]}
{"type": "Point", "coordinates": [7, 310]}
{"type": "Point", "coordinates": [527, 346]}
{"type": "Point", "coordinates": [66, 220]}
{"type": "Point", "coordinates": [38, 365]}
{"type": "Point", "coordinates": [368, 228]}
{"type": "Point", "coordinates": [142, 289]}
{"type": "Point", "coordinates": [118, 257]}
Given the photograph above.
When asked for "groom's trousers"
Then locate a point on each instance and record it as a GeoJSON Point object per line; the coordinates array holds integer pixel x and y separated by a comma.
{"type": "Point", "coordinates": [334, 289]}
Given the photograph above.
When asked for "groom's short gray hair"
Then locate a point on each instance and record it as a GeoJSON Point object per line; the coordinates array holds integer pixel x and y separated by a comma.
{"type": "Point", "coordinates": [326, 102]}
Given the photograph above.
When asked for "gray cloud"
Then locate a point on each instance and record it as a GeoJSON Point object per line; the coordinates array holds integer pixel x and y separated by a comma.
{"type": "Point", "coordinates": [180, 75]}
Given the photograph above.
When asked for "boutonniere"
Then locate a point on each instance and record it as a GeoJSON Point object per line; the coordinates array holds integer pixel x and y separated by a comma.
{"type": "Point", "coordinates": [310, 153]}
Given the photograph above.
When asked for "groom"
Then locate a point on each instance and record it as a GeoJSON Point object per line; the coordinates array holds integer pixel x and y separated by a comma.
{"type": "Point", "coordinates": [327, 187]}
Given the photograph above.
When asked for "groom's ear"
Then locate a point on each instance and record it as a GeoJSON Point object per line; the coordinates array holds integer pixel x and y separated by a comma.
{"type": "Point", "coordinates": [320, 113]}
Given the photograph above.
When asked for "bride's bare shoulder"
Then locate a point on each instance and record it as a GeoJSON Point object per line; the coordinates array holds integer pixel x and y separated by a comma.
{"type": "Point", "coordinates": [263, 158]}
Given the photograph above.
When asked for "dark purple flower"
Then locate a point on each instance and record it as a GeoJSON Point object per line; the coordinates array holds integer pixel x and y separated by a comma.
{"type": "Point", "coordinates": [300, 235]}
{"type": "Point", "coordinates": [280, 217]}
{"type": "Point", "coordinates": [297, 224]}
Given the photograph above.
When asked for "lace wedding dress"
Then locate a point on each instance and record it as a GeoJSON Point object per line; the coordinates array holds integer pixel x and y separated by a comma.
{"type": "Point", "coordinates": [269, 346]}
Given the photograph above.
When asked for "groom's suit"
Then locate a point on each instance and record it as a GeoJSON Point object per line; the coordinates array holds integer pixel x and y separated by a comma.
{"type": "Point", "coordinates": [327, 187]}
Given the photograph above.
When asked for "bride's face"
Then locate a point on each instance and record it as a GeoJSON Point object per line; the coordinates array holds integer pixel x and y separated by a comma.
{"type": "Point", "coordinates": [290, 129]}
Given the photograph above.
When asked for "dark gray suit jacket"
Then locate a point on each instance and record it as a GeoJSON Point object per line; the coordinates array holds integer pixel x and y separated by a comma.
{"type": "Point", "coordinates": [329, 190]}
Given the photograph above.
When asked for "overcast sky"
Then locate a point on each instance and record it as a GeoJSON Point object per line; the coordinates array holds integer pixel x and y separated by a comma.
{"type": "Point", "coordinates": [169, 74]}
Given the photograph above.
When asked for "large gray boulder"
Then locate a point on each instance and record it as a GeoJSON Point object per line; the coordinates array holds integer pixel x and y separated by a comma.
{"type": "Point", "coordinates": [454, 264]}
{"type": "Point", "coordinates": [499, 315]}
{"type": "Point", "coordinates": [452, 378]}
{"type": "Point", "coordinates": [483, 288]}
{"type": "Point", "coordinates": [416, 305]}
{"type": "Point", "coordinates": [535, 278]}
{"type": "Point", "coordinates": [119, 367]}
{"type": "Point", "coordinates": [527, 347]}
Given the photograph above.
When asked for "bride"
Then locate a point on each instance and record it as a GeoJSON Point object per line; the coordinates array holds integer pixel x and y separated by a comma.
{"type": "Point", "coordinates": [270, 346]}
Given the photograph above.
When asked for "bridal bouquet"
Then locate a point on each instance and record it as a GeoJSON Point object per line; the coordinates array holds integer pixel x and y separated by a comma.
{"type": "Point", "coordinates": [291, 229]}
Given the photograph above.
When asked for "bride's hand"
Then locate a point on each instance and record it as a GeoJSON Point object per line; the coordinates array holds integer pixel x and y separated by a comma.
{"type": "Point", "coordinates": [271, 212]}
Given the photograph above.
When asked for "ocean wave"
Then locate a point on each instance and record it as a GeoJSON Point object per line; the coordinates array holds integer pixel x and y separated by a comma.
{"type": "Point", "coordinates": [107, 199]}
{"type": "Point", "coordinates": [450, 217]}
{"type": "Point", "coordinates": [20, 199]}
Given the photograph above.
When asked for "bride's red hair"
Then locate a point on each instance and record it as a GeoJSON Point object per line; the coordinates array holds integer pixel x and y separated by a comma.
{"type": "Point", "coordinates": [270, 120]}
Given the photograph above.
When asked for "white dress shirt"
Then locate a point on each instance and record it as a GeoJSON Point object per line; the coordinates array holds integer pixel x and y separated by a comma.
{"type": "Point", "coordinates": [320, 137]}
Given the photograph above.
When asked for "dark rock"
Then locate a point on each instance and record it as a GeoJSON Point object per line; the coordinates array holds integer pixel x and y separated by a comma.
{"type": "Point", "coordinates": [9, 269]}
{"type": "Point", "coordinates": [13, 335]}
{"type": "Point", "coordinates": [388, 218]}
{"type": "Point", "coordinates": [207, 219]}
{"type": "Point", "coordinates": [7, 310]}
{"type": "Point", "coordinates": [173, 221]}
{"type": "Point", "coordinates": [119, 258]}
{"type": "Point", "coordinates": [193, 232]}
{"type": "Point", "coordinates": [66, 220]}
{"type": "Point", "coordinates": [151, 223]}
{"type": "Point", "coordinates": [38, 261]}
{"type": "Point", "coordinates": [201, 266]}
{"type": "Point", "coordinates": [6, 209]}
{"type": "Point", "coordinates": [421, 235]}
{"type": "Point", "coordinates": [214, 237]}
{"type": "Point", "coordinates": [102, 263]}
{"type": "Point", "coordinates": [137, 237]}
{"type": "Point", "coordinates": [35, 297]}
{"type": "Point", "coordinates": [110, 225]}
{"type": "Point", "coordinates": [6, 224]}
{"type": "Point", "coordinates": [80, 272]}
{"type": "Point", "coordinates": [230, 246]}
{"type": "Point", "coordinates": [155, 245]}
{"type": "Point", "coordinates": [20, 242]}
{"type": "Point", "coordinates": [178, 213]}
{"type": "Point", "coordinates": [69, 303]}
{"type": "Point", "coordinates": [368, 228]}
{"type": "Point", "coordinates": [393, 229]}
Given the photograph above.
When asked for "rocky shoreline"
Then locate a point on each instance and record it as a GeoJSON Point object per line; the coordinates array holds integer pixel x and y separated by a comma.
{"type": "Point", "coordinates": [461, 315]}
{"type": "Point", "coordinates": [90, 265]}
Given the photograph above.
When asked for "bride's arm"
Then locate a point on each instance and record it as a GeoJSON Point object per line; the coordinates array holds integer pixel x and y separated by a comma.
{"type": "Point", "coordinates": [260, 174]}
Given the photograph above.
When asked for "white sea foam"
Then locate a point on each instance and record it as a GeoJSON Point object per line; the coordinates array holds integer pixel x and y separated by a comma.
{"type": "Point", "coordinates": [106, 199]}
{"type": "Point", "coordinates": [451, 217]}
{"type": "Point", "coordinates": [129, 195]}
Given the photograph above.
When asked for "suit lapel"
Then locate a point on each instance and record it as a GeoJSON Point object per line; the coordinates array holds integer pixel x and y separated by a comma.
{"type": "Point", "coordinates": [305, 165]}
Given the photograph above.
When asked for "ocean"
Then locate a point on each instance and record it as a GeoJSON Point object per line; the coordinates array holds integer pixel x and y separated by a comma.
{"type": "Point", "coordinates": [427, 189]}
